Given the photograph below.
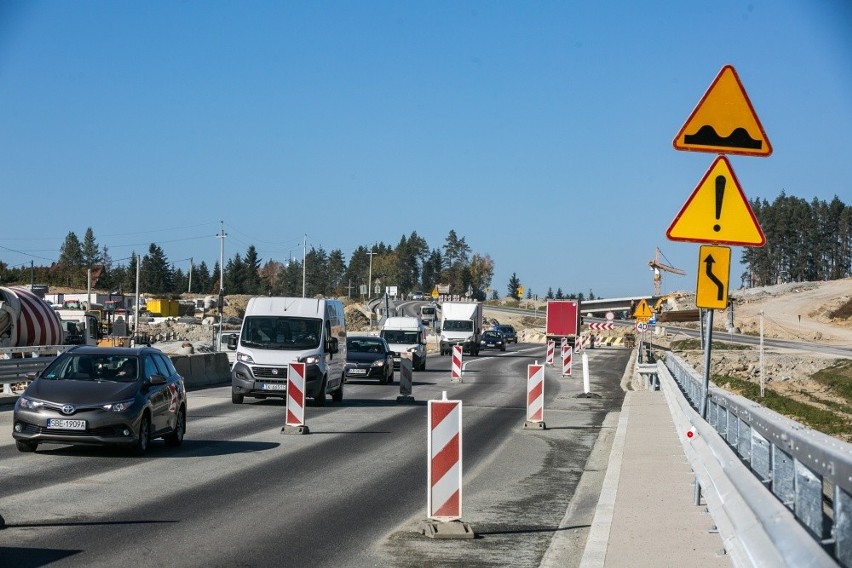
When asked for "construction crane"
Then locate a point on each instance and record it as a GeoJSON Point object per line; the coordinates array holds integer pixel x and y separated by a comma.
{"type": "Point", "coordinates": [657, 266]}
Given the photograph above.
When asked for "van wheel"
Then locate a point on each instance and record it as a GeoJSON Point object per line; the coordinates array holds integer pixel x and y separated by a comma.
{"type": "Point", "coordinates": [390, 378]}
{"type": "Point", "coordinates": [236, 398]}
{"type": "Point", "coordinates": [337, 394]}
{"type": "Point", "coordinates": [320, 398]}
{"type": "Point", "coordinates": [423, 364]}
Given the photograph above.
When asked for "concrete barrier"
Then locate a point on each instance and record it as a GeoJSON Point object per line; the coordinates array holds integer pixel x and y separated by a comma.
{"type": "Point", "coordinates": [203, 369]}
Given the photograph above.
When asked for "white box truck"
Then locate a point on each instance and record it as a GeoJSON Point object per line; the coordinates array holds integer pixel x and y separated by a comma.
{"type": "Point", "coordinates": [461, 324]}
{"type": "Point", "coordinates": [406, 335]}
{"type": "Point", "coordinates": [277, 331]}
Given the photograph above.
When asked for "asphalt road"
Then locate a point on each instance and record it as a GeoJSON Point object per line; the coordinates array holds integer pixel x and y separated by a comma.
{"type": "Point", "coordinates": [239, 492]}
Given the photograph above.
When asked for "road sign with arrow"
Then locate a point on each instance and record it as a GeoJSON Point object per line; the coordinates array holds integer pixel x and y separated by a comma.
{"type": "Point", "coordinates": [714, 268]}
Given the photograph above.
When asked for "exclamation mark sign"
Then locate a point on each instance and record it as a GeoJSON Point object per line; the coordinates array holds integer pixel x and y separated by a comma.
{"type": "Point", "coordinates": [720, 194]}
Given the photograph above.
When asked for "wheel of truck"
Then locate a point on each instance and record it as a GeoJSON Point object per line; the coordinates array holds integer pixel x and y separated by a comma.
{"type": "Point", "coordinates": [337, 394]}
{"type": "Point", "coordinates": [320, 398]}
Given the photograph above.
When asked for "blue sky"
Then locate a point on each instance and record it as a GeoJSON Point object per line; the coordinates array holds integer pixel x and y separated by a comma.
{"type": "Point", "coordinates": [540, 131]}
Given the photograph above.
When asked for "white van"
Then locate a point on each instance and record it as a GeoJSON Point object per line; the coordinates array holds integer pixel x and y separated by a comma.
{"type": "Point", "coordinates": [406, 335]}
{"type": "Point", "coordinates": [277, 331]}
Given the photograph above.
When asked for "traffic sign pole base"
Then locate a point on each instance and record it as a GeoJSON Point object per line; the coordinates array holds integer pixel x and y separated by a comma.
{"type": "Point", "coordinates": [405, 399]}
{"type": "Point", "coordinates": [303, 429]}
{"type": "Point", "coordinates": [588, 395]}
{"type": "Point", "coordinates": [530, 425]}
{"type": "Point", "coordinates": [446, 530]}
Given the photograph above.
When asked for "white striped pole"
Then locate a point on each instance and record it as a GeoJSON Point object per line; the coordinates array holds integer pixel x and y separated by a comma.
{"type": "Point", "coordinates": [578, 343]}
{"type": "Point", "coordinates": [294, 413]}
{"type": "Point", "coordinates": [567, 357]}
{"type": "Point", "coordinates": [535, 397]}
{"type": "Point", "coordinates": [405, 365]}
{"type": "Point", "coordinates": [444, 498]}
{"type": "Point", "coordinates": [550, 349]}
{"type": "Point", "coordinates": [456, 372]}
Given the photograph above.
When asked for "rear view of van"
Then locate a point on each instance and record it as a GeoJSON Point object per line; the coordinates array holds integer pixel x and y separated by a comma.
{"type": "Point", "coordinates": [406, 335]}
{"type": "Point", "coordinates": [277, 331]}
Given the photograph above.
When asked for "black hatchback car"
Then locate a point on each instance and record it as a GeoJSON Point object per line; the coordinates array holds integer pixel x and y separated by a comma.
{"type": "Point", "coordinates": [493, 340]}
{"type": "Point", "coordinates": [369, 357]}
{"type": "Point", "coordinates": [106, 396]}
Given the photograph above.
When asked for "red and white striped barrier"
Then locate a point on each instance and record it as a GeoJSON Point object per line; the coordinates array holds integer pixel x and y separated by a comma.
{"type": "Point", "coordinates": [535, 396]}
{"type": "Point", "coordinates": [444, 497]}
{"type": "Point", "coordinates": [601, 325]}
{"type": "Point", "coordinates": [294, 421]}
{"type": "Point", "coordinates": [567, 357]}
{"type": "Point", "coordinates": [456, 371]}
{"type": "Point", "coordinates": [551, 344]}
{"type": "Point", "coordinates": [578, 343]}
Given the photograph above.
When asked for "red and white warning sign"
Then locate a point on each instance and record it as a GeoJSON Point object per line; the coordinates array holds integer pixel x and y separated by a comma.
{"type": "Point", "coordinates": [295, 412]}
{"type": "Point", "coordinates": [456, 371]}
{"type": "Point", "coordinates": [567, 357]}
{"type": "Point", "coordinates": [535, 393]}
{"type": "Point", "coordinates": [444, 495]}
{"type": "Point", "coordinates": [551, 347]}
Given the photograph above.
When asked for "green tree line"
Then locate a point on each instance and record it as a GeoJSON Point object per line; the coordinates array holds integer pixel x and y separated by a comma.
{"type": "Point", "coordinates": [805, 242]}
{"type": "Point", "coordinates": [410, 265]}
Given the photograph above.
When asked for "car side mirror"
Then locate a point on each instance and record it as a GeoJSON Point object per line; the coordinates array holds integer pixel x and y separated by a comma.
{"type": "Point", "coordinates": [232, 341]}
{"type": "Point", "coordinates": [331, 346]}
{"type": "Point", "coordinates": [154, 380]}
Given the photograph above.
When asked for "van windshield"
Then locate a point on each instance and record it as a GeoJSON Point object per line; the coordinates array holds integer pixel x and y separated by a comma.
{"type": "Point", "coordinates": [400, 336]}
{"type": "Point", "coordinates": [281, 332]}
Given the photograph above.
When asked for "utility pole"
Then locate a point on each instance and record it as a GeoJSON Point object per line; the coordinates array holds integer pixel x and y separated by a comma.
{"type": "Point", "coordinates": [370, 277]}
{"type": "Point", "coordinates": [221, 303]}
{"type": "Point", "coordinates": [304, 263]}
{"type": "Point", "coordinates": [189, 287]}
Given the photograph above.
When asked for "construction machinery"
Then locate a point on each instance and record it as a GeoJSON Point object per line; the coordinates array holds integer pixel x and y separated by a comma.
{"type": "Point", "coordinates": [657, 266]}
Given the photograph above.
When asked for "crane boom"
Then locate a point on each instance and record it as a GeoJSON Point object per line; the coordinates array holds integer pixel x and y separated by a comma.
{"type": "Point", "coordinates": [656, 265]}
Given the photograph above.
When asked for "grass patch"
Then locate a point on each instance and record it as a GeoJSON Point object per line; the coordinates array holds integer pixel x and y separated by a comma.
{"type": "Point", "coordinates": [838, 379]}
{"type": "Point", "coordinates": [814, 417]}
{"type": "Point", "coordinates": [694, 344]}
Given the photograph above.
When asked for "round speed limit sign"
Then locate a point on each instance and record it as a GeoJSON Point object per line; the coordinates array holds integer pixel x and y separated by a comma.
{"type": "Point", "coordinates": [642, 326]}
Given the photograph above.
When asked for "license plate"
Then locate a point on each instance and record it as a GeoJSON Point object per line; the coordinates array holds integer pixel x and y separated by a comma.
{"type": "Point", "coordinates": [357, 371]}
{"type": "Point", "coordinates": [273, 387]}
{"type": "Point", "coordinates": [65, 424]}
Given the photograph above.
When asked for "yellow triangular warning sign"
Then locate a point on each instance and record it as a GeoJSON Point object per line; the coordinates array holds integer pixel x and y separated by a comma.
{"type": "Point", "coordinates": [717, 212]}
{"type": "Point", "coordinates": [724, 122]}
{"type": "Point", "coordinates": [643, 311]}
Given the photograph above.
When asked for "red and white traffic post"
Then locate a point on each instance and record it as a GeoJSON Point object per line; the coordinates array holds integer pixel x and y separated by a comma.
{"type": "Point", "coordinates": [294, 413]}
{"type": "Point", "coordinates": [444, 470]}
{"type": "Point", "coordinates": [456, 370]}
{"type": "Point", "coordinates": [578, 343]}
{"type": "Point", "coordinates": [567, 357]}
{"type": "Point", "coordinates": [535, 397]}
{"type": "Point", "coordinates": [551, 345]}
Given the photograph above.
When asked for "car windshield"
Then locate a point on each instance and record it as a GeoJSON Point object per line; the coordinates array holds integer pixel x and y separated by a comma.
{"type": "Point", "coordinates": [493, 335]}
{"type": "Point", "coordinates": [400, 336]}
{"type": "Point", "coordinates": [93, 367]}
{"type": "Point", "coordinates": [279, 332]}
{"type": "Point", "coordinates": [364, 346]}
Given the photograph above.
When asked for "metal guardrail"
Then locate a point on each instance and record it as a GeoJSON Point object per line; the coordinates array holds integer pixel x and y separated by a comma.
{"type": "Point", "coordinates": [809, 472]}
{"type": "Point", "coordinates": [16, 362]}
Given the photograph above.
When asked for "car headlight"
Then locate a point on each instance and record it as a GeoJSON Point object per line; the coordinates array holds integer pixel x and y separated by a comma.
{"type": "Point", "coordinates": [310, 359]}
{"type": "Point", "coordinates": [29, 404]}
{"type": "Point", "coordinates": [412, 350]}
{"type": "Point", "coordinates": [244, 357]}
{"type": "Point", "coordinates": [120, 406]}
{"type": "Point", "coordinates": [378, 363]}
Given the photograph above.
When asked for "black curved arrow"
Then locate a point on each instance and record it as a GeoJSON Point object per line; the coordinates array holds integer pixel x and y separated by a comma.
{"type": "Point", "coordinates": [719, 284]}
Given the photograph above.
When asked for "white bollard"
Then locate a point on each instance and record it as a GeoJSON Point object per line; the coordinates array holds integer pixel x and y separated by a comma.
{"type": "Point", "coordinates": [294, 413]}
{"type": "Point", "coordinates": [586, 386]}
